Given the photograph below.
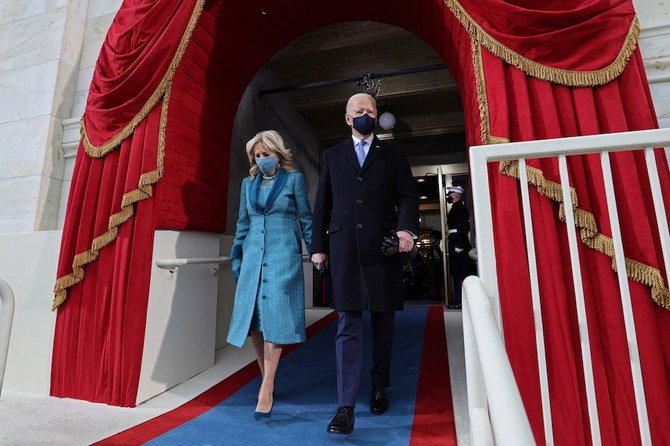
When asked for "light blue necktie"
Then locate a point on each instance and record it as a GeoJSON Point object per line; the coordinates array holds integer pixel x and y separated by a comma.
{"type": "Point", "coordinates": [360, 152]}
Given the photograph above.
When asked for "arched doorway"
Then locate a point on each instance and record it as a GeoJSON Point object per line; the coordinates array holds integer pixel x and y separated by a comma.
{"type": "Point", "coordinates": [302, 90]}
{"type": "Point", "coordinates": [228, 44]}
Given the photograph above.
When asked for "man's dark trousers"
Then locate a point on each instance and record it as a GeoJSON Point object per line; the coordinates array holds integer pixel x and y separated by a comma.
{"type": "Point", "coordinates": [349, 352]}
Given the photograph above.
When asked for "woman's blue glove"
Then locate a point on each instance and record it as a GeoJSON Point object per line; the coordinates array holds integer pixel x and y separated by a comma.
{"type": "Point", "coordinates": [235, 265]}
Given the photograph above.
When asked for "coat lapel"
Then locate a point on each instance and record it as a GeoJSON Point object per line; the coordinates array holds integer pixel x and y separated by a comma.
{"type": "Point", "coordinates": [278, 185]}
{"type": "Point", "coordinates": [350, 154]}
{"type": "Point", "coordinates": [375, 150]}
{"type": "Point", "coordinates": [254, 187]}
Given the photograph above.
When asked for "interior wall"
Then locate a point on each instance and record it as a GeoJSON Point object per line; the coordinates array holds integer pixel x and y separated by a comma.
{"type": "Point", "coordinates": [269, 112]}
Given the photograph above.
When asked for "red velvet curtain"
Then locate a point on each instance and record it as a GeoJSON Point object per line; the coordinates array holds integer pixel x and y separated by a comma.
{"type": "Point", "coordinates": [579, 35]}
{"type": "Point", "coordinates": [110, 220]}
{"type": "Point", "coordinates": [525, 108]}
{"type": "Point", "coordinates": [100, 328]}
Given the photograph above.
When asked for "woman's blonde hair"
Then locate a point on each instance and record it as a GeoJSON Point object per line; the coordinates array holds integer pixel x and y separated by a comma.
{"type": "Point", "coordinates": [271, 140]}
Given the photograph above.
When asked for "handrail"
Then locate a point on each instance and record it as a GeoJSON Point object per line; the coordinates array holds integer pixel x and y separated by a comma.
{"type": "Point", "coordinates": [560, 148]}
{"type": "Point", "coordinates": [497, 413]}
{"type": "Point", "coordinates": [172, 264]}
{"type": "Point", "coordinates": [6, 318]}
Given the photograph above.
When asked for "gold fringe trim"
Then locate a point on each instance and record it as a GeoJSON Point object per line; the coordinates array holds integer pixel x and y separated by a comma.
{"type": "Point", "coordinates": [482, 98]}
{"type": "Point", "coordinates": [146, 181]}
{"type": "Point", "coordinates": [557, 75]}
{"type": "Point", "coordinates": [586, 222]}
{"type": "Point", "coordinates": [166, 82]}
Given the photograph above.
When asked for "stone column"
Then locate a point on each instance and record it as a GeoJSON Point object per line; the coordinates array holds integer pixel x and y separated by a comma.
{"type": "Point", "coordinates": [40, 45]}
{"type": "Point", "coordinates": [655, 47]}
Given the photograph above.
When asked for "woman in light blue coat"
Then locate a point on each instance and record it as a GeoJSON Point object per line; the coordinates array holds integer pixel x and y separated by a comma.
{"type": "Point", "coordinates": [266, 258]}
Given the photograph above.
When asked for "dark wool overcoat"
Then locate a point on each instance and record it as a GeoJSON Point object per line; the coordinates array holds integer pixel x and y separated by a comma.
{"type": "Point", "coordinates": [355, 208]}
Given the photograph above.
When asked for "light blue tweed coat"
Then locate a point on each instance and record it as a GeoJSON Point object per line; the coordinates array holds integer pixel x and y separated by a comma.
{"type": "Point", "coordinates": [267, 255]}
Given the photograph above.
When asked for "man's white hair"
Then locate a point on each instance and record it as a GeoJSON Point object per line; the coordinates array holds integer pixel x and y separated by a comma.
{"type": "Point", "coordinates": [359, 95]}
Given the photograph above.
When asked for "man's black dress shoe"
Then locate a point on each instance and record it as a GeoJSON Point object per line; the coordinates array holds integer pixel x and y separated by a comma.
{"type": "Point", "coordinates": [378, 401]}
{"type": "Point", "coordinates": [343, 421]}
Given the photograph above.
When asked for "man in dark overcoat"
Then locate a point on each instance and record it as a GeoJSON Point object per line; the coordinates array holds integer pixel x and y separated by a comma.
{"type": "Point", "coordinates": [460, 263]}
{"type": "Point", "coordinates": [366, 190]}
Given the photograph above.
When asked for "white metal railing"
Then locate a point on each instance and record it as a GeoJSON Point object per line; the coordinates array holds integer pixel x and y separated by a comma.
{"type": "Point", "coordinates": [480, 156]}
{"type": "Point", "coordinates": [497, 415]}
{"type": "Point", "coordinates": [173, 264]}
{"type": "Point", "coordinates": [6, 318]}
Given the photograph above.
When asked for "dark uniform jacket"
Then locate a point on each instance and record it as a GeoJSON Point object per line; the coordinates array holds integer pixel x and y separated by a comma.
{"type": "Point", "coordinates": [355, 208]}
{"type": "Point", "coordinates": [458, 218]}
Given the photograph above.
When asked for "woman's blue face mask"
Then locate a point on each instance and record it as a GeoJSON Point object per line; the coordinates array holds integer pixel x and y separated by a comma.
{"type": "Point", "coordinates": [267, 164]}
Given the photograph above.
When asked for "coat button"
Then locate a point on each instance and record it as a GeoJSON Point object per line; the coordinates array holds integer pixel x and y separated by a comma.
{"type": "Point", "coordinates": [359, 201]}
{"type": "Point", "coordinates": [264, 296]}
{"type": "Point", "coordinates": [265, 280]}
{"type": "Point", "coordinates": [265, 264]}
{"type": "Point", "coordinates": [359, 225]}
{"type": "Point", "coordinates": [359, 179]}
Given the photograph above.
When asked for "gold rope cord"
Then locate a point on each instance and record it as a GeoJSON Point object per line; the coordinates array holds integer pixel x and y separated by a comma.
{"type": "Point", "coordinates": [585, 221]}
{"type": "Point", "coordinates": [146, 180]}
{"type": "Point", "coordinates": [166, 82]}
{"type": "Point", "coordinates": [557, 75]}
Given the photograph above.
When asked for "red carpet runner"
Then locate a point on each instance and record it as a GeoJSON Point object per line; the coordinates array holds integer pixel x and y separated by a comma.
{"type": "Point", "coordinates": [433, 422]}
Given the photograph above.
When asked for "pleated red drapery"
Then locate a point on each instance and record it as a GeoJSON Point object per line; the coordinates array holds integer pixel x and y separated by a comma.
{"type": "Point", "coordinates": [100, 330]}
{"type": "Point", "coordinates": [109, 225]}
{"type": "Point", "coordinates": [525, 50]}
{"type": "Point", "coordinates": [508, 59]}
{"type": "Point", "coordinates": [526, 109]}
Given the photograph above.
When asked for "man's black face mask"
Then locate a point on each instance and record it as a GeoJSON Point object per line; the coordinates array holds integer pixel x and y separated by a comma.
{"type": "Point", "coordinates": [450, 199]}
{"type": "Point", "coordinates": [364, 124]}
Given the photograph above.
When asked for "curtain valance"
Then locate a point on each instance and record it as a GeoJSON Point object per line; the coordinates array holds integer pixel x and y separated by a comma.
{"type": "Point", "coordinates": [572, 42]}
{"type": "Point", "coordinates": [137, 62]}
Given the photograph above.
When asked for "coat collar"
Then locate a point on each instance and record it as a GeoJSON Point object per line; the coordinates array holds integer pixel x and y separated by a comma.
{"type": "Point", "coordinates": [278, 184]}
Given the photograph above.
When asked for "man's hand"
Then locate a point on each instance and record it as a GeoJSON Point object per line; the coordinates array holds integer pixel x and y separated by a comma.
{"type": "Point", "coordinates": [406, 242]}
{"type": "Point", "coordinates": [319, 260]}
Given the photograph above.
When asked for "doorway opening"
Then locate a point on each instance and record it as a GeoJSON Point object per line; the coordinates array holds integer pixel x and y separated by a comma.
{"type": "Point", "coordinates": [301, 93]}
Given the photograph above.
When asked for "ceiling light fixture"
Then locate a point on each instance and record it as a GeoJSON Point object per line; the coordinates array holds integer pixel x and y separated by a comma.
{"type": "Point", "coordinates": [386, 120]}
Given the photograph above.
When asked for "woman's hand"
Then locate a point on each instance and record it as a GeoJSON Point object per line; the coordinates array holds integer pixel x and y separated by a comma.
{"type": "Point", "coordinates": [319, 260]}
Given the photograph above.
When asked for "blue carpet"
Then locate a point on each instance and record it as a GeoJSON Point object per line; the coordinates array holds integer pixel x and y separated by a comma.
{"type": "Point", "coordinates": [306, 398]}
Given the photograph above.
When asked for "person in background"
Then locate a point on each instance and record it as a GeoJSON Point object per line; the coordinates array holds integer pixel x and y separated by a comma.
{"type": "Point", "coordinates": [266, 259]}
{"type": "Point", "coordinates": [365, 191]}
{"type": "Point", "coordinates": [460, 263]}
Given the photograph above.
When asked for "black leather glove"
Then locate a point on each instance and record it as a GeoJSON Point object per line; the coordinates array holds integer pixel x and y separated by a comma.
{"type": "Point", "coordinates": [390, 244]}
